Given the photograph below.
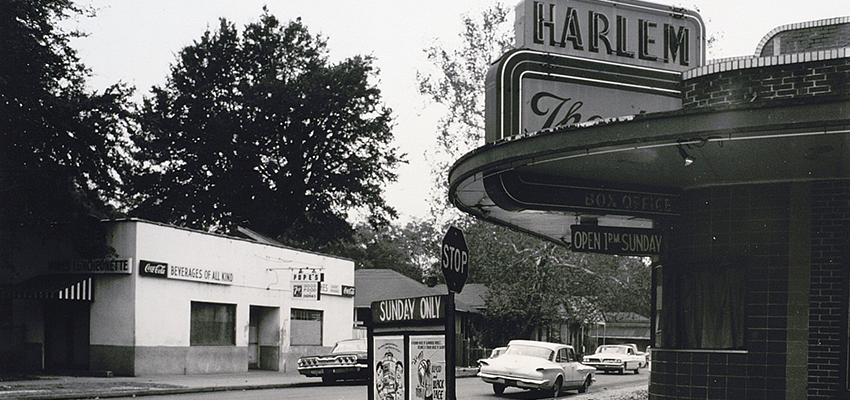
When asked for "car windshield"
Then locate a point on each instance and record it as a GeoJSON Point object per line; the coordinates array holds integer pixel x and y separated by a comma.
{"type": "Point", "coordinates": [611, 349]}
{"type": "Point", "coordinates": [353, 346]}
{"type": "Point", "coordinates": [527, 350]}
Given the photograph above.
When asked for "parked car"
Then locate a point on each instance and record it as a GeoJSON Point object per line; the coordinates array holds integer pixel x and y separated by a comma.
{"type": "Point", "coordinates": [615, 357]}
{"type": "Point", "coordinates": [645, 355]}
{"type": "Point", "coordinates": [347, 360]}
{"type": "Point", "coordinates": [529, 364]}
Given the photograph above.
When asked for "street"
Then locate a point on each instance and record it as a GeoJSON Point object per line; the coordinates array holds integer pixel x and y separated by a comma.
{"type": "Point", "coordinates": [467, 389]}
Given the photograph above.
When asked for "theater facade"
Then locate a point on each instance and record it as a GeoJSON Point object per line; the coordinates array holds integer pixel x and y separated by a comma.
{"type": "Point", "coordinates": [608, 131]}
{"type": "Point", "coordinates": [171, 301]}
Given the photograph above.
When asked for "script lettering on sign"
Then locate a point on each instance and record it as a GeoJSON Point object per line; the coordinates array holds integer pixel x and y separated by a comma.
{"type": "Point", "coordinates": [409, 309]}
{"type": "Point", "coordinates": [613, 240]}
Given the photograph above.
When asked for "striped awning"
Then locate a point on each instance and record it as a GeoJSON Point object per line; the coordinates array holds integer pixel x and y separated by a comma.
{"type": "Point", "coordinates": [57, 287]}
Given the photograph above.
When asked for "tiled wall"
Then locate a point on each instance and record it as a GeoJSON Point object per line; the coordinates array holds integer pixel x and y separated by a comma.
{"type": "Point", "coordinates": [750, 221]}
{"type": "Point", "coordinates": [830, 220]}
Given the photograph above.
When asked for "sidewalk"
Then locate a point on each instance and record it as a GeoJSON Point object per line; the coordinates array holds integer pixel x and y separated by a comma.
{"type": "Point", "coordinates": [71, 387]}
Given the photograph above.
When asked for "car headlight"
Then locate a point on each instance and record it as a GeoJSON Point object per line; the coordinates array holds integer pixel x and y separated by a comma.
{"type": "Point", "coordinates": [618, 361]}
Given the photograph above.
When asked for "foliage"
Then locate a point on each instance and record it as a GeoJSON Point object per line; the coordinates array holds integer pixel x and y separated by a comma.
{"type": "Point", "coordinates": [60, 159]}
{"type": "Point", "coordinates": [458, 84]}
{"type": "Point", "coordinates": [534, 284]}
{"type": "Point", "coordinates": [260, 130]}
{"type": "Point", "coordinates": [385, 248]}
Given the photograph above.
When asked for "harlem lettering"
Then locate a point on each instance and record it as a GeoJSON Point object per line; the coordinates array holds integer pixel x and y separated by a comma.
{"type": "Point", "coordinates": [614, 35]}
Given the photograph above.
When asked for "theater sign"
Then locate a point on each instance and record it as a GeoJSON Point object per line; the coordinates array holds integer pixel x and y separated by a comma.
{"type": "Point", "coordinates": [581, 61]}
{"type": "Point", "coordinates": [623, 32]}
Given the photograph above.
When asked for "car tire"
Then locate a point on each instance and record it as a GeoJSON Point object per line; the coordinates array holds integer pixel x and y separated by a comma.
{"type": "Point", "coordinates": [557, 387]}
{"type": "Point", "coordinates": [585, 385]}
{"type": "Point", "coordinates": [622, 370]}
{"type": "Point", "coordinates": [637, 370]}
{"type": "Point", "coordinates": [499, 389]}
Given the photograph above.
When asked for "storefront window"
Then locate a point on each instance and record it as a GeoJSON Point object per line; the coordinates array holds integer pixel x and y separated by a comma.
{"type": "Point", "coordinates": [213, 324]}
{"type": "Point", "coordinates": [306, 327]}
{"type": "Point", "coordinates": [703, 306]}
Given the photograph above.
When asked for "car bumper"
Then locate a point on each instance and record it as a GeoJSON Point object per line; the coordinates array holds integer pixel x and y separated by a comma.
{"type": "Point", "coordinates": [520, 382]}
{"type": "Point", "coordinates": [336, 370]}
{"type": "Point", "coordinates": [605, 366]}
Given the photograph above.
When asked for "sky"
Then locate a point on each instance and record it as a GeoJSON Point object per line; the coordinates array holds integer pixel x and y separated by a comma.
{"type": "Point", "coordinates": [135, 42]}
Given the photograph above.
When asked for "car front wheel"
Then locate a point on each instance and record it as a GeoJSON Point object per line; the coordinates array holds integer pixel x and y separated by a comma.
{"type": "Point", "coordinates": [585, 385]}
{"type": "Point", "coordinates": [498, 388]}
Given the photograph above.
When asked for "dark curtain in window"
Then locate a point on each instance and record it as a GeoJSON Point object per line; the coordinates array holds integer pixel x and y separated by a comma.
{"type": "Point", "coordinates": [704, 305]}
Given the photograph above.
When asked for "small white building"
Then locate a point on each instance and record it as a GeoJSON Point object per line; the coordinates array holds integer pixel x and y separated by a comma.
{"type": "Point", "coordinates": [173, 301]}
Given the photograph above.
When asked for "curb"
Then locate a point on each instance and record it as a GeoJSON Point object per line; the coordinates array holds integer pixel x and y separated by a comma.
{"type": "Point", "coordinates": [106, 393]}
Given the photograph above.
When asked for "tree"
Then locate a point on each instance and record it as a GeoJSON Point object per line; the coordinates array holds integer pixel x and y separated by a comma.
{"type": "Point", "coordinates": [458, 84]}
{"type": "Point", "coordinates": [260, 130]}
{"type": "Point", "coordinates": [60, 158]}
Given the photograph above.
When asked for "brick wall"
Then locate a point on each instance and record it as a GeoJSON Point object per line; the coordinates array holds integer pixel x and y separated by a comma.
{"type": "Point", "coordinates": [808, 39]}
{"type": "Point", "coordinates": [755, 85]}
{"type": "Point", "coordinates": [830, 219]}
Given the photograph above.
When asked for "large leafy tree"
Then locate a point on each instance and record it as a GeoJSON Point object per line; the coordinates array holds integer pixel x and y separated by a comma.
{"type": "Point", "coordinates": [259, 129]}
{"type": "Point", "coordinates": [60, 144]}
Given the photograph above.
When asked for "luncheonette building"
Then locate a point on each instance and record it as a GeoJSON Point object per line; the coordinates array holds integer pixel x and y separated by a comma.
{"type": "Point", "coordinates": [608, 131]}
{"type": "Point", "coordinates": [172, 301]}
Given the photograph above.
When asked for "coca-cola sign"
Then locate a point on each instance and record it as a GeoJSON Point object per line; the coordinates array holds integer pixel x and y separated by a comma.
{"type": "Point", "coordinates": [155, 269]}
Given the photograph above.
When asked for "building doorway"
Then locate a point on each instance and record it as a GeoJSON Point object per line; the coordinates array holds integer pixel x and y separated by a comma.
{"type": "Point", "coordinates": [264, 338]}
{"type": "Point", "coordinates": [66, 335]}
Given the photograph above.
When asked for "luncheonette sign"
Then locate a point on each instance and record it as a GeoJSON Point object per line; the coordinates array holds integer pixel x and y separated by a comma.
{"type": "Point", "coordinates": [623, 31]}
{"type": "Point", "coordinates": [409, 309]}
{"type": "Point", "coordinates": [96, 266]}
{"type": "Point", "coordinates": [613, 240]}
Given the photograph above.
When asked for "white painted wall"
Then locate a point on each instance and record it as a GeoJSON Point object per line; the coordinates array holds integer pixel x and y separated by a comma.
{"type": "Point", "coordinates": [161, 308]}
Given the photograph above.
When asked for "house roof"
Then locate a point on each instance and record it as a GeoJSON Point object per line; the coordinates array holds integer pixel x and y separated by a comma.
{"type": "Point", "coordinates": [385, 284]}
{"type": "Point", "coordinates": [624, 325]}
{"type": "Point", "coordinates": [625, 317]}
{"type": "Point", "coordinates": [473, 294]}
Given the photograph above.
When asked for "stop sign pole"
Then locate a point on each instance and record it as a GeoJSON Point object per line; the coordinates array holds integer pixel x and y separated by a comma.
{"type": "Point", "coordinates": [454, 256]}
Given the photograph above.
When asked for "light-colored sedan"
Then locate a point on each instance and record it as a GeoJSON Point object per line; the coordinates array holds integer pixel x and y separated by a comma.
{"type": "Point", "coordinates": [529, 364]}
{"type": "Point", "coordinates": [615, 357]}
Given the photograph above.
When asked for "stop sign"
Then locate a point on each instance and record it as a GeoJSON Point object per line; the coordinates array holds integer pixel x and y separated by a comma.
{"type": "Point", "coordinates": [455, 259]}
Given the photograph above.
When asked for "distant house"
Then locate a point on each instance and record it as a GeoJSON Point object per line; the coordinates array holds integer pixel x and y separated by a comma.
{"type": "Point", "coordinates": [473, 295]}
{"type": "Point", "coordinates": [623, 327]}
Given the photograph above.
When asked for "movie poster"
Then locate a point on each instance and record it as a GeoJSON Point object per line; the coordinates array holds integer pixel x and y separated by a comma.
{"type": "Point", "coordinates": [389, 368]}
{"type": "Point", "coordinates": [428, 367]}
